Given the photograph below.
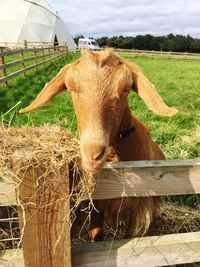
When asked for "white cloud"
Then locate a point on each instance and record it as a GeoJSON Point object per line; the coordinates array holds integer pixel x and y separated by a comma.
{"type": "Point", "coordinates": [130, 17]}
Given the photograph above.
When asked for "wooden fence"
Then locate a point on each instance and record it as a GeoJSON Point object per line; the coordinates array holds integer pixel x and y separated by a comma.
{"type": "Point", "coordinates": [14, 62]}
{"type": "Point", "coordinates": [157, 54]}
{"type": "Point", "coordinates": [143, 178]}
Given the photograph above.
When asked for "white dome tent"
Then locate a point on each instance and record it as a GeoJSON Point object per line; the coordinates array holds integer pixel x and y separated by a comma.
{"type": "Point", "coordinates": [34, 21]}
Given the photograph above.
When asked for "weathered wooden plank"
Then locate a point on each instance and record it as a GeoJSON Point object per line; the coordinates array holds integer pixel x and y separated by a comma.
{"type": "Point", "coordinates": [141, 252]}
{"type": "Point", "coordinates": [152, 163]}
{"type": "Point", "coordinates": [139, 178]}
{"type": "Point", "coordinates": [44, 212]}
{"type": "Point", "coordinates": [148, 178]}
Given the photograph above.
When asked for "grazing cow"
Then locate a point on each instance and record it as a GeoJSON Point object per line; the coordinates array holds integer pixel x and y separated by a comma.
{"type": "Point", "coordinates": [99, 83]}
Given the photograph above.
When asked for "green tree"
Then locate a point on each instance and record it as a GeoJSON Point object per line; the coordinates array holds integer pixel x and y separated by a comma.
{"type": "Point", "coordinates": [126, 43]}
{"type": "Point", "coordinates": [171, 42]}
{"type": "Point", "coordinates": [195, 46]}
{"type": "Point", "coordinates": [139, 42]}
{"type": "Point", "coordinates": [102, 41]}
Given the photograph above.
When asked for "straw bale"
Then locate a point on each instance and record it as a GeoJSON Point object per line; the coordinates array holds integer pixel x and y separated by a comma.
{"type": "Point", "coordinates": [47, 143]}
{"type": "Point", "coordinates": [50, 147]}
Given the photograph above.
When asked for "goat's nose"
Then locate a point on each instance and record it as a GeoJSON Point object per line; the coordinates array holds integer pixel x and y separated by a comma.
{"type": "Point", "coordinates": [94, 152]}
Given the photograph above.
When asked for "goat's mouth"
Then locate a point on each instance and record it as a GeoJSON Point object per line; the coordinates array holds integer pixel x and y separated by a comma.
{"type": "Point", "coordinates": [92, 167]}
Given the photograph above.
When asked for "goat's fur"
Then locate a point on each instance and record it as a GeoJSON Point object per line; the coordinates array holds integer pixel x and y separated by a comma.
{"type": "Point", "coordinates": [99, 84]}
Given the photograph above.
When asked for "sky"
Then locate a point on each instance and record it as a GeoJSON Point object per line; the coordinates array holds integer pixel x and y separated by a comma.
{"type": "Point", "coordinates": [93, 18]}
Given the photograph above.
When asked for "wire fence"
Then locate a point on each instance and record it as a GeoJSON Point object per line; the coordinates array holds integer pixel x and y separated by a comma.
{"type": "Point", "coordinates": [9, 228]}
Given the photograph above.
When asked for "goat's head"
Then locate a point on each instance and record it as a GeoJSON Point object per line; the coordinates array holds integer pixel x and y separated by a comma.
{"type": "Point", "coordinates": [99, 84]}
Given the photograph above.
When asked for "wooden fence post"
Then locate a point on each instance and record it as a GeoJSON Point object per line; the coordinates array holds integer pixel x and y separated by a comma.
{"type": "Point", "coordinates": [44, 212]}
{"type": "Point", "coordinates": [2, 61]}
{"type": "Point", "coordinates": [23, 63]}
{"type": "Point", "coordinates": [185, 57]}
{"type": "Point", "coordinates": [43, 53]}
{"type": "Point", "coordinates": [35, 53]}
{"type": "Point", "coordinates": [25, 44]}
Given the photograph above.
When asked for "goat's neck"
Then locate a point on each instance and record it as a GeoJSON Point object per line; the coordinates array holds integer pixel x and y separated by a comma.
{"type": "Point", "coordinates": [138, 145]}
{"type": "Point", "coordinates": [130, 148]}
{"type": "Point", "coordinates": [126, 123]}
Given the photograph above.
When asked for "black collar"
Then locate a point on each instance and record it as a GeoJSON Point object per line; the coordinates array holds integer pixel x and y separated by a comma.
{"type": "Point", "coordinates": [127, 132]}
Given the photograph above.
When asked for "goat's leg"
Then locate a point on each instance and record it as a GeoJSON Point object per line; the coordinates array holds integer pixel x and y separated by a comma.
{"type": "Point", "coordinates": [97, 220]}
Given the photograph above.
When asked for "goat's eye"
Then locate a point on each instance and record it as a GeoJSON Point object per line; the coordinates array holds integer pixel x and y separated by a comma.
{"type": "Point", "coordinates": [125, 90]}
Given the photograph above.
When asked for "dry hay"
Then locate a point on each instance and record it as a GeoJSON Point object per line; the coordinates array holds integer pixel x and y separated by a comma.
{"type": "Point", "coordinates": [175, 218]}
{"type": "Point", "coordinates": [50, 148]}
{"type": "Point", "coordinates": [47, 143]}
{"type": "Point", "coordinates": [53, 147]}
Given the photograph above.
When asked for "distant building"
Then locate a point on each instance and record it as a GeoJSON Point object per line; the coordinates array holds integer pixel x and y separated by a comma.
{"type": "Point", "coordinates": [32, 21]}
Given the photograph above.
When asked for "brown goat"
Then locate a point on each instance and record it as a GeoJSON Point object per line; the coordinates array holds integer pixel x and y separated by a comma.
{"type": "Point", "coordinates": [99, 84]}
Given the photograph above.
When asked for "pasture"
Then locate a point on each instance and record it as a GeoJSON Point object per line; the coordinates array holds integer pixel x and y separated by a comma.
{"type": "Point", "coordinates": [177, 81]}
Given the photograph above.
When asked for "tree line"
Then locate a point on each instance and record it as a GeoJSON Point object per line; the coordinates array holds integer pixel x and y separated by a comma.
{"type": "Point", "coordinates": [170, 42]}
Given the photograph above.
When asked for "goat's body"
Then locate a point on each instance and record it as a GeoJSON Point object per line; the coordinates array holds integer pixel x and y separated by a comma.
{"type": "Point", "coordinates": [137, 146]}
{"type": "Point", "coordinates": [99, 84]}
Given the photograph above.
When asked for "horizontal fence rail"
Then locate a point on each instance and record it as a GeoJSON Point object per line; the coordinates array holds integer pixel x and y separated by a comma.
{"type": "Point", "coordinates": [14, 62]}
{"type": "Point", "coordinates": [163, 54]}
{"type": "Point", "coordinates": [141, 252]}
{"type": "Point", "coordinates": [148, 178]}
{"type": "Point", "coordinates": [135, 178]}
{"type": "Point", "coordinates": [26, 44]}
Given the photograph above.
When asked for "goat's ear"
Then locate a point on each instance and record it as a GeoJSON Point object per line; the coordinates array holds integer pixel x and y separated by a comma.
{"type": "Point", "coordinates": [148, 93]}
{"type": "Point", "coordinates": [50, 90]}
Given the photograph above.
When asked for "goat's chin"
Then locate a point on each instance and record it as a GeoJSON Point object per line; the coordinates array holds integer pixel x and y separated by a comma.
{"type": "Point", "coordinates": [92, 167]}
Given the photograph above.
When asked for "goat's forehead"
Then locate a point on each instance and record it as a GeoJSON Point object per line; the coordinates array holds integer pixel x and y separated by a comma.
{"type": "Point", "coordinates": [105, 70]}
{"type": "Point", "coordinates": [100, 68]}
{"type": "Point", "coordinates": [102, 57]}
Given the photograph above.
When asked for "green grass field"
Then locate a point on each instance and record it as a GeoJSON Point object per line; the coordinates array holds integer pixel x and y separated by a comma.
{"type": "Point", "coordinates": [177, 81]}
{"type": "Point", "coordinates": [25, 89]}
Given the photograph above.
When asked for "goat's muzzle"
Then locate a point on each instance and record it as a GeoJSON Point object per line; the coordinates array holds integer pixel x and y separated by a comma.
{"type": "Point", "coordinates": [93, 157]}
